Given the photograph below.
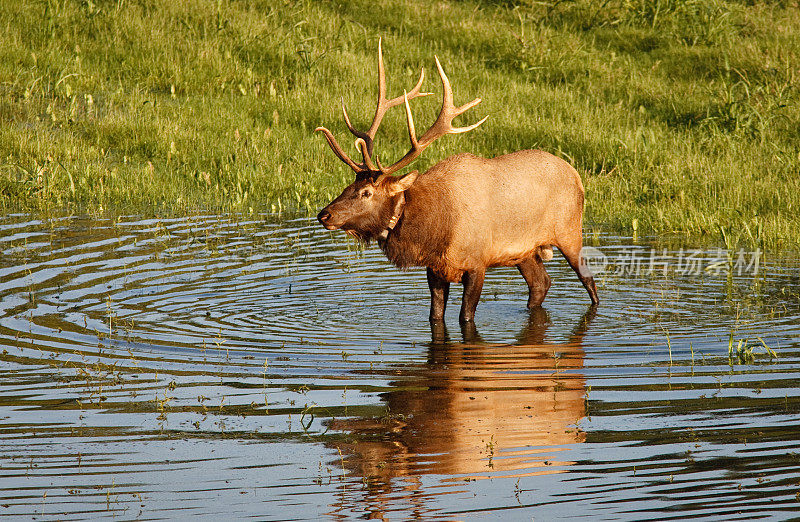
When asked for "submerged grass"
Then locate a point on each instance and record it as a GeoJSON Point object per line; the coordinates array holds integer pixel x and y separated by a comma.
{"type": "Point", "coordinates": [681, 115]}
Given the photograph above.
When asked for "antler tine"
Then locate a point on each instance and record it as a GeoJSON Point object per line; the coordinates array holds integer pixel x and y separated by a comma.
{"type": "Point", "coordinates": [340, 153]}
{"type": "Point", "coordinates": [412, 133]}
{"type": "Point", "coordinates": [380, 110]}
{"type": "Point", "coordinates": [357, 133]}
{"type": "Point", "coordinates": [363, 147]}
{"type": "Point", "coordinates": [385, 104]}
{"type": "Point", "coordinates": [443, 124]}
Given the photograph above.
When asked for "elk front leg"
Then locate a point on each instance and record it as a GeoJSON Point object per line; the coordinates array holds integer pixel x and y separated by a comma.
{"type": "Point", "coordinates": [532, 269]}
{"type": "Point", "coordinates": [473, 284]}
{"type": "Point", "coordinates": [440, 290]}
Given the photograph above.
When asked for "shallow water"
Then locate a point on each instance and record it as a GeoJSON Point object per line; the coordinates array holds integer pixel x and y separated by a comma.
{"type": "Point", "coordinates": [266, 367]}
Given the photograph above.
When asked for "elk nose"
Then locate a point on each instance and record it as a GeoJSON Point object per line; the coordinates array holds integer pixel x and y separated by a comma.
{"type": "Point", "coordinates": [323, 216]}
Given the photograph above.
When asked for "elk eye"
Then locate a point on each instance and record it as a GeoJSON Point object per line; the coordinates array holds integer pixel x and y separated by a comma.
{"type": "Point", "coordinates": [366, 194]}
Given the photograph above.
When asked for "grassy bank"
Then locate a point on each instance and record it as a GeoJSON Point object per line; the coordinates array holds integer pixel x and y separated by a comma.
{"type": "Point", "coordinates": [680, 115]}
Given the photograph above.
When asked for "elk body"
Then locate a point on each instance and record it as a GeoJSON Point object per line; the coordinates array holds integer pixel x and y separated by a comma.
{"type": "Point", "coordinates": [465, 214]}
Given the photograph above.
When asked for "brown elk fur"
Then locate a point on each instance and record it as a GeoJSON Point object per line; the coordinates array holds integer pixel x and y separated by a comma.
{"type": "Point", "coordinates": [467, 213]}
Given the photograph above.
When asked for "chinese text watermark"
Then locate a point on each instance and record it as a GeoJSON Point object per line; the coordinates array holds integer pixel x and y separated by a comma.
{"type": "Point", "coordinates": [684, 262]}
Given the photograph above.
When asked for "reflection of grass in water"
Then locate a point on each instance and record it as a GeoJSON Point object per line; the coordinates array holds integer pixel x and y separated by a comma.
{"type": "Point", "coordinates": [681, 116]}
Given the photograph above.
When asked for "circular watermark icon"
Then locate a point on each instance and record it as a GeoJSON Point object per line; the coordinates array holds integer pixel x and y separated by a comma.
{"type": "Point", "coordinates": [594, 261]}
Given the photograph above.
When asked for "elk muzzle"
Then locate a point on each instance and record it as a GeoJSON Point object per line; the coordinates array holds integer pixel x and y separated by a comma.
{"type": "Point", "coordinates": [324, 217]}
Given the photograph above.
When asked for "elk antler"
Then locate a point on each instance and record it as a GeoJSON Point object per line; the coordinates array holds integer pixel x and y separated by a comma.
{"type": "Point", "coordinates": [443, 124]}
{"type": "Point", "coordinates": [365, 141]}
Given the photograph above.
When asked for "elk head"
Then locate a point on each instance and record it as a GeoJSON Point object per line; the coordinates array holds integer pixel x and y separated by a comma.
{"type": "Point", "coordinates": [368, 207]}
{"type": "Point", "coordinates": [373, 203]}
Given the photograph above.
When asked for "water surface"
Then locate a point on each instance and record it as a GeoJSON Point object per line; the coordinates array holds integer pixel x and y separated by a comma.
{"type": "Point", "coordinates": [262, 366]}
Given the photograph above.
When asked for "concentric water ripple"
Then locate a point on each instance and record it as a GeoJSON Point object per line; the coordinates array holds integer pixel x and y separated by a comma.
{"type": "Point", "coordinates": [262, 366]}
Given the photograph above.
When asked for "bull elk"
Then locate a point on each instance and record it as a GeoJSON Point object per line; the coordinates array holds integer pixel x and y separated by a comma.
{"type": "Point", "coordinates": [466, 213]}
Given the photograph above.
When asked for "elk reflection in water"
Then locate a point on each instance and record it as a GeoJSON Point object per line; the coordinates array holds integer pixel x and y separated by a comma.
{"type": "Point", "coordinates": [475, 410]}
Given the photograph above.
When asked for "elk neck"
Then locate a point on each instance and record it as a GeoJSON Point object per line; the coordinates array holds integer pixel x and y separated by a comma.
{"type": "Point", "coordinates": [399, 206]}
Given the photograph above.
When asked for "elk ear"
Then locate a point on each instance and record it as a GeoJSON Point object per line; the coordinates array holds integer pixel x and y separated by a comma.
{"type": "Point", "coordinates": [398, 185]}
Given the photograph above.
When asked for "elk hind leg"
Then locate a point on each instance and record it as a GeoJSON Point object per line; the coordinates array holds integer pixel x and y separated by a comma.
{"type": "Point", "coordinates": [532, 269]}
{"type": "Point", "coordinates": [572, 253]}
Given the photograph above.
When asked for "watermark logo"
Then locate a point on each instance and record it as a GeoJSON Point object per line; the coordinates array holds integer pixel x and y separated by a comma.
{"type": "Point", "coordinates": [641, 262]}
{"type": "Point", "coordinates": [594, 260]}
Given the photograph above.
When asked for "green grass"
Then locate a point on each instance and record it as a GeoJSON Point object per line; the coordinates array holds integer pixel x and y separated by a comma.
{"type": "Point", "coordinates": [681, 115]}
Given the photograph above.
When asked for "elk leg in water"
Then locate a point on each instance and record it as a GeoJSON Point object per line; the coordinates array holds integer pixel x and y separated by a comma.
{"type": "Point", "coordinates": [532, 269]}
{"type": "Point", "coordinates": [473, 284]}
{"type": "Point", "coordinates": [440, 289]}
{"type": "Point", "coordinates": [572, 253]}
